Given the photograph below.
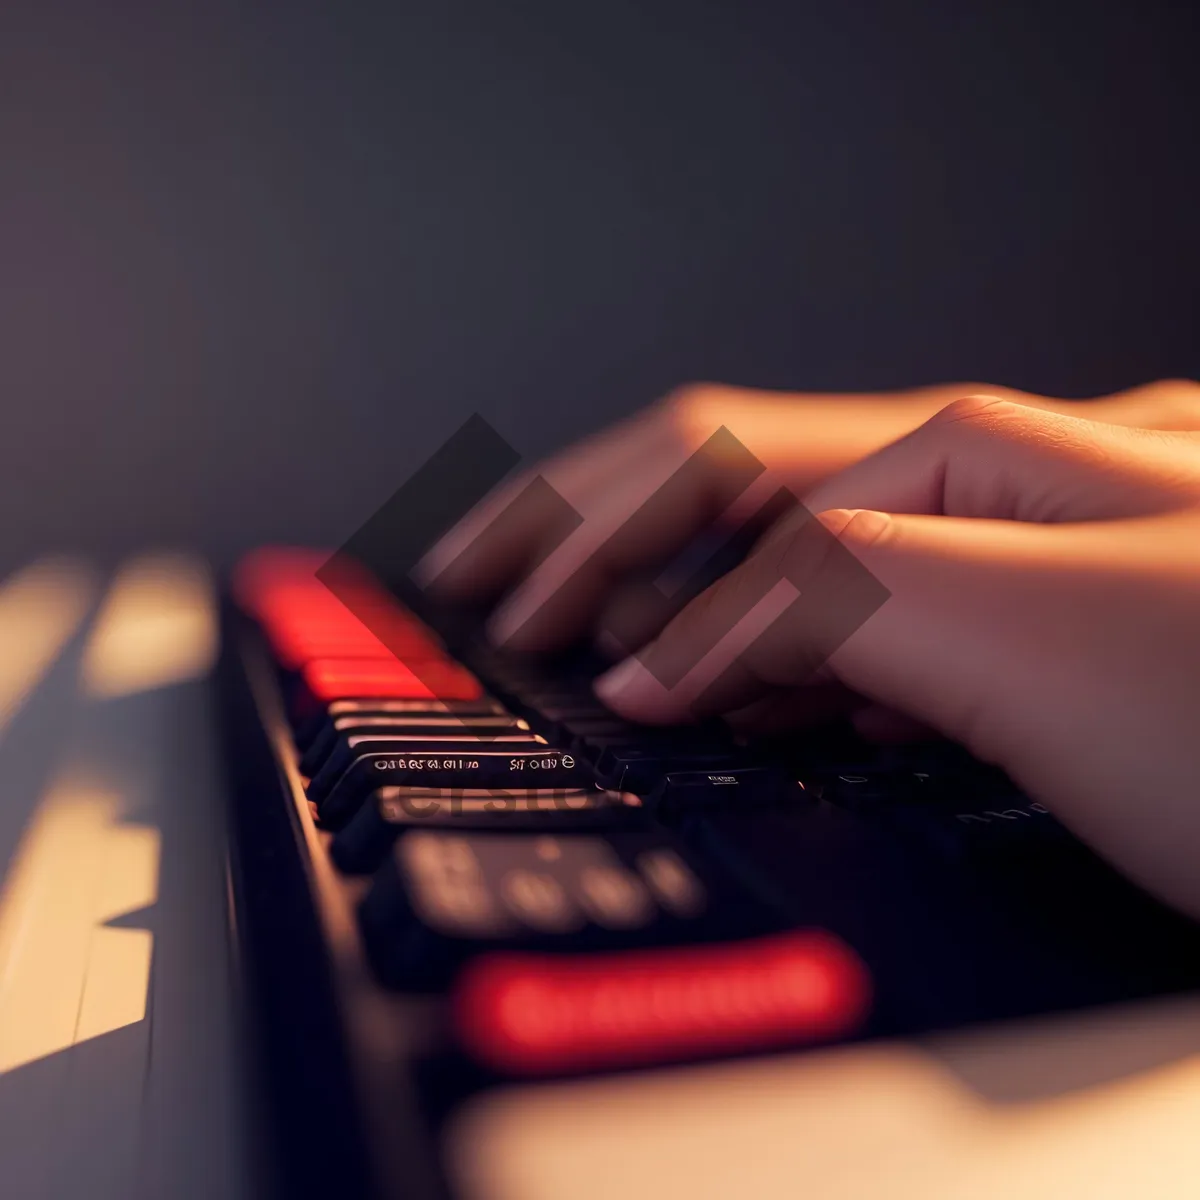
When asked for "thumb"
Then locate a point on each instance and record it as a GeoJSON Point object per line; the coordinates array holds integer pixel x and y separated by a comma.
{"type": "Point", "coordinates": [940, 618]}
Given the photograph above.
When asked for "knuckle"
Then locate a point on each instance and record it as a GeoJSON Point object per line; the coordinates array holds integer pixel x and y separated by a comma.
{"type": "Point", "coordinates": [974, 422]}
{"type": "Point", "coordinates": [973, 411]}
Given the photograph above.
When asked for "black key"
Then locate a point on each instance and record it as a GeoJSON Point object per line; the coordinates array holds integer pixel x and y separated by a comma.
{"type": "Point", "coordinates": [640, 769]}
{"type": "Point", "coordinates": [442, 897]}
{"type": "Point", "coordinates": [577, 710]}
{"type": "Point", "coordinates": [364, 843]}
{"type": "Point", "coordinates": [961, 813]}
{"type": "Point", "coordinates": [310, 730]}
{"type": "Point", "coordinates": [588, 737]}
{"type": "Point", "coordinates": [468, 768]}
{"type": "Point", "coordinates": [564, 725]}
{"type": "Point", "coordinates": [691, 791]}
{"type": "Point", "coordinates": [398, 724]}
{"type": "Point", "coordinates": [350, 748]}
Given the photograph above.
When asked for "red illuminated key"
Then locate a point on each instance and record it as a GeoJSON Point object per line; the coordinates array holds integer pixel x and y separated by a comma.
{"type": "Point", "coordinates": [539, 1014]}
{"type": "Point", "coordinates": [295, 642]}
{"type": "Point", "coordinates": [304, 620]}
{"type": "Point", "coordinates": [326, 680]}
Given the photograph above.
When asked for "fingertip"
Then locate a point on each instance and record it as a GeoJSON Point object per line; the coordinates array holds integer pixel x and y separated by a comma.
{"type": "Point", "coordinates": [856, 526]}
{"type": "Point", "coordinates": [633, 691]}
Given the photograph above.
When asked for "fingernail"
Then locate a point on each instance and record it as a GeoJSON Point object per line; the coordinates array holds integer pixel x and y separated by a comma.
{"type": "Point", "coordinates": [612, 683]}
{"type": "Point", "coordinates": [855, 524]}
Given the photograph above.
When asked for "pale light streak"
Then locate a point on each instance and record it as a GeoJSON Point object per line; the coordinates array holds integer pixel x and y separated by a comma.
{"type": "Point", "coordinates": [157, 627]}
{"type": "Point", "coordinates": [64, 977]}
{"type": "Point", "coordinates": [41, 607]}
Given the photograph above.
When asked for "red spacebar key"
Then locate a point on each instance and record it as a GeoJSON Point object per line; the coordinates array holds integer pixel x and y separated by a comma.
{"type": "Point", "coordinates": [527, 1014]}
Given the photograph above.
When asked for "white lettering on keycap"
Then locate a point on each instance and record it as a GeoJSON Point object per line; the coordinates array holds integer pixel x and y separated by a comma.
{"type": "Point", "coordinates": [540, 764]}
{"type": "Point", "coordinates": [426, 764]}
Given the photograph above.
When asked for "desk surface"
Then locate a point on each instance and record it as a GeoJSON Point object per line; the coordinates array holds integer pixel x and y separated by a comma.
{"type": "Point", "coordinates": [119, 1067]}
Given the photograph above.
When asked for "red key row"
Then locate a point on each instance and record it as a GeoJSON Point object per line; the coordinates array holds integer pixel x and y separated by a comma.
{"type": "Point", "coordinates": [356, 644]}
{"type": "Point", "coordinates": [304, 619]}
{"type": "Point", "coordinates": [329, 679]}
{"type": "Point", "coordinates": [538, 1014]}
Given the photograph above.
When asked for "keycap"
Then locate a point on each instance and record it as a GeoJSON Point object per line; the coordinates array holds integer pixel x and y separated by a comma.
{"type": "Point", "coordinates": [572, 728]}
{"type": "Point", "coordinates": [295, 643]}
{"type": "Point", "coordinates": [543, 767]}
{"type": "Point", "coordinates": [324, 680]}
{"type": "Point", "coordinates": [641, 768]}
{"type": "Point", "coordinates": [363, 844]}
{"type": "Point", "coordinates": [689, 791]}
{"type": "Point", "coordinates": [527, 1014]}
{"type": "Point", "coordinates": [962, 813]}
{"type": "Point", "coordinates": [443, 897]}
{"type": "Point", "coordinates": [308, 731]}
{"type": "Point", "coordinates": [348, 749]}
{"type": "Point", "coordinates": [303, 619]}
{"type": "Point", "coordinates": [400, 724]}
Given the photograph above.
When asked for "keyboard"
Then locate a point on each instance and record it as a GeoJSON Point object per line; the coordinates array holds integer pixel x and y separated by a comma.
{"type": "Point", "coordinates": [455, 874]}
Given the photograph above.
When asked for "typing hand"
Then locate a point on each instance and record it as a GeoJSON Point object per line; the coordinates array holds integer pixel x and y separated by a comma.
{"type": "Point", "coordinates": [1044, 573]}
{"type": "Point", "coordinates": [564, 586]}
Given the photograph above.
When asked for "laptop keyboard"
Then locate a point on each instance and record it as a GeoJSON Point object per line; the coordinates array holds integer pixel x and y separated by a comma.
{"type": "Point", "coordinates": [561, 892]}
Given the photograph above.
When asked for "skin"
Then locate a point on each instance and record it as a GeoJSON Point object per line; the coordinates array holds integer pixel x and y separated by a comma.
{"type": "Point", "coordinates": [1042, 558]}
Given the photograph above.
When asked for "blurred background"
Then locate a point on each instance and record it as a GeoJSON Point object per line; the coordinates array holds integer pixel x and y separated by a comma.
{"type": "Point", "coordinates": [258, 261]}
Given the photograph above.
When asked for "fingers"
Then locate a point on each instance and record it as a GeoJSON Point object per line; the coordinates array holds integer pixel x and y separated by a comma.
{"type": "Point", "coordinates": [934, 619]}
{"type": "Point", "coordinates": [877, 723]}
{"type": "Point", "coordinates": [1168, 404]}
{"type": "Point", "coordinates": [785, 709]}
{"type": "Point", "coordinates": [565, 593]}
{"type": "Point", "coordinates": [568, 535]}
{"type": "Point", "coordinates": [987, 457]}
{"type": "Point", "coordinates": [816, 592]}
{"type": "Point", "coordinates": [770, 623]}
{"type": "Point", "coordinates": [568, 508]}
{"type": "Point", "coordinates": [523, 521]}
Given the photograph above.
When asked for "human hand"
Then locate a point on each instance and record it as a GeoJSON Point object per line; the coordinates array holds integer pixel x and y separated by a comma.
{"type": "Point", "coordinates": [564, 586]}
{"type": "Point", "coordinates": [1044, 612]}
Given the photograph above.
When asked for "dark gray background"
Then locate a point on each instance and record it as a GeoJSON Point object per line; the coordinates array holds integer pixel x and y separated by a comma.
{"type": "Point", "coordinates": [257, 262]}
